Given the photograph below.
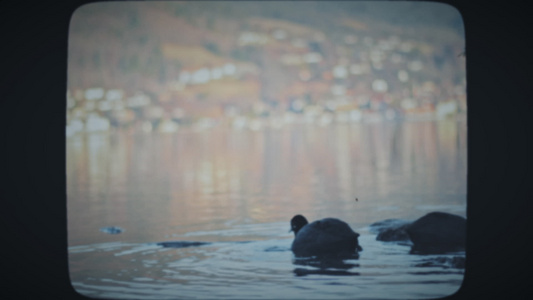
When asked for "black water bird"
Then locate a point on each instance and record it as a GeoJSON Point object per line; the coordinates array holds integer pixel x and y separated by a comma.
{"type": "Point", "coordinates": [327, 237]}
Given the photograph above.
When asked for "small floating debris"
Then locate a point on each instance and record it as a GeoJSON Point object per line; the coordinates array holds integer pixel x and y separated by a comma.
{"type": "Point", "coordinates": [304, 272]}
{"type": "Point", "coordinates": [181, 244]}
{"type": "Point", "coordinates": [112, 230]}
{"type": "Point", "coordinates": [276, 249]}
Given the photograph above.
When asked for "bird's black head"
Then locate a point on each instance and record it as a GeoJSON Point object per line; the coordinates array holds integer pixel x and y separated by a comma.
{"type": "Point", "coordinates": [297, 222]}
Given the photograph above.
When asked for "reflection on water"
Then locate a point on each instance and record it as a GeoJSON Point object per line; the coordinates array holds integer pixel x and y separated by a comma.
{"type": "Point", "coordinates": [230, 185]}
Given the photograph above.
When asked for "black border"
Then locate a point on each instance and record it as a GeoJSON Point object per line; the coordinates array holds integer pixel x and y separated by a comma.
{"type": "Point", "coordinates": [33, 87]}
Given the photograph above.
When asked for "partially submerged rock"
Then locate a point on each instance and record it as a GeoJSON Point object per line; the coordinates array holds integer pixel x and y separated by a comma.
{"type": "Point", "coordinates": [391, 230]}
{"type": "Point", "coordinates": [396, 234]}
{"type": "Point", "coordinates": [438, 232]}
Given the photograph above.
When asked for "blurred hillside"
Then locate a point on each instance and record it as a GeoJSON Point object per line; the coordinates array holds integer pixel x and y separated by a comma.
{"type": "Point", "coordinates": [220, 60]}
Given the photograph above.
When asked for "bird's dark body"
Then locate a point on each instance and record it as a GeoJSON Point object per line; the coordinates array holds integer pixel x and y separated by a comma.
{"type": "Point", "coordinates": [326, 237]}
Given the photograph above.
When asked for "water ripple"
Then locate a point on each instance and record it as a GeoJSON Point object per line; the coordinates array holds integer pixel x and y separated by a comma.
{"type": "Point", "coordinates": [267, 268]}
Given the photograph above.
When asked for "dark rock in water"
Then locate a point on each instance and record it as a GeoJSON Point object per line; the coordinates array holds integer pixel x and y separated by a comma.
{"type": "Point", "coordinates": [391, 230]}
{"type": "Point", "coordinates": [379, 226]}
{"type": "Point", "coordinates": [111, 230]}
{"type": "Point", "coordinates": [438, 232]}
{"type": "Point", "coordinates": [397, 234]}
{"type": "Point", "coordinates": [181, 244]}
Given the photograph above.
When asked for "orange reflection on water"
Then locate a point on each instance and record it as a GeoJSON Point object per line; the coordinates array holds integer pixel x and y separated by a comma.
{"type": "Point", "coordinates": [160, 186]}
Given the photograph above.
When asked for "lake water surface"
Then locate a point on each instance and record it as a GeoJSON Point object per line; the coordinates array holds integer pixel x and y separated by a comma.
{"type": "Point", "coordinates": [236, 190]}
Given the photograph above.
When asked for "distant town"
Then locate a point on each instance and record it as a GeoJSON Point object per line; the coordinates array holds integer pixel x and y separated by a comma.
{"type": "Point", "coordinates": [160, 67]}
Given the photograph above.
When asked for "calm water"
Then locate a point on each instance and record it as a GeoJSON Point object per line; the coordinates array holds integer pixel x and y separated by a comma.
{"type": "Point", "coordinates": [238, 190]}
